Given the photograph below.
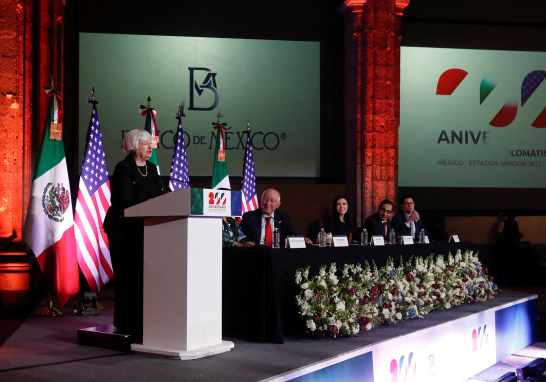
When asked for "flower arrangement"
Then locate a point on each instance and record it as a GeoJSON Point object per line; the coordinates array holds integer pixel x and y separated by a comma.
{"type": "Point", "coordinates": [354, 298]}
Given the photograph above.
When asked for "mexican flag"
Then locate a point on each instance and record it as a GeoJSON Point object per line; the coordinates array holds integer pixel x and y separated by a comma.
{"type": "Point", "coordinates": [220, 177]}
{"type": "Point", "coordinates": [49, 227]}
{"type": "Point", "coordinates": [151, 127]}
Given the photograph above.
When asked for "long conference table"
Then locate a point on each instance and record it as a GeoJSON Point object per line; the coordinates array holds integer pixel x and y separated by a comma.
{"type": "Point", "coordinates": [258, 284]}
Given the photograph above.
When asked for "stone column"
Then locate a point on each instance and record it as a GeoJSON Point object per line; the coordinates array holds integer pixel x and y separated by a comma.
{"type": "Point", "coordinates": [372, 102]}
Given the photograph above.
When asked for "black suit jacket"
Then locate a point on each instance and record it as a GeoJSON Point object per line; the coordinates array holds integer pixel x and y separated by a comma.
{"type": "Point", "coordinates": [252, 225]}
{"type": "Point", "coordinates": [127, 186]}
{"type": "Point", "coordinates": [374, 226]}
{"type": "Point", "coordinates": [399, 223]}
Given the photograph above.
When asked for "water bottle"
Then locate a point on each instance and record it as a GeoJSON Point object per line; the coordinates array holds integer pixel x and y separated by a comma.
{"type": "Point", "coordinates": [276, 239]}
{"type": "Point", "coordinates": [422, 236]}
{"type": "Point", "coordinates": [322, 238]}
{"type": "Point", "coordinates": [392, 237]}
{"type": "Point", "coordinates": [364, 237]}
{"type": "Point", "coordinates": [417, 218]}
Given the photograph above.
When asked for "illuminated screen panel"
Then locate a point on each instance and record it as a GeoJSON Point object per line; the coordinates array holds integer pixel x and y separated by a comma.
{"type": "Point", "coordinates": [472, 118]}
{"type": "Point", "coordinates": [274, 85]}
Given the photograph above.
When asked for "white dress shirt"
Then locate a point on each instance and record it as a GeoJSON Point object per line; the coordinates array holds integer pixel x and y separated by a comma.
{"type": "Point", "coordinates": [412, 225]}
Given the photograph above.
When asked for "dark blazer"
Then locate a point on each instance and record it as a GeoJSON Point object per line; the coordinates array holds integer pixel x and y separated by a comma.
{"type": "Point", "coordinates": [399, 223]}
{"type": "Point", "coordinates": [127, 189]}
{"type": "Point", "coordinates": [374, 226]}
{"type": "Point", "coordinates": [335, 226]}
{"type": "Point", "coordinates": [252, 225]}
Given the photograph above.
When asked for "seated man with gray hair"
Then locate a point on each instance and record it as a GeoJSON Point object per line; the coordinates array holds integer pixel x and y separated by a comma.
{"type": "Point", "coordinates": [258, 225]}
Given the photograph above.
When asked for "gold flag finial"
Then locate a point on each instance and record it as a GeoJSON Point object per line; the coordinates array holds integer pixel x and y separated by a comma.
{"type": "Point", "coordinates": [149, 99]}
{"type": "Point", "coordinates": [248, 126]}
{"type": "Point", "coordinates": [93, 94]}
{"type": "Point", "coordinates": [52, 84]}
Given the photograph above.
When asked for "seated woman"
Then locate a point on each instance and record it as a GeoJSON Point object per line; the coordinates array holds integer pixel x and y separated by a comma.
{"type": "Point", "coordinates": [232, 236]}
{"type": "Point", "coordinates": [339, 223]}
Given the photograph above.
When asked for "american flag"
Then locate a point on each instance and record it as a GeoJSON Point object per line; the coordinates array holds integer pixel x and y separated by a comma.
{"type": "Point", "coordinates": [250, 200]}
{"type": "Point", "coordinates": [180, 177]}
{"type": "Point", "coordinates": [91, 206]}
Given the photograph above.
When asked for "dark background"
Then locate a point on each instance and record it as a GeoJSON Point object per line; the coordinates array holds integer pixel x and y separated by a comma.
{"type": "Point", "coordinates": [471, 24]}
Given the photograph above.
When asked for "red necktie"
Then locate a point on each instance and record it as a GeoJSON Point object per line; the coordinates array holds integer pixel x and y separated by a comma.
{"type": "Point", "coordinates": [268, 235]}
{"type": "Point", "coordinates": [384, 228]}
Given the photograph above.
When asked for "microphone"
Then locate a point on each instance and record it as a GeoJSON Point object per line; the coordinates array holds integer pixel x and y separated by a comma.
{"type": "Point", "coordinates": [417, 218]}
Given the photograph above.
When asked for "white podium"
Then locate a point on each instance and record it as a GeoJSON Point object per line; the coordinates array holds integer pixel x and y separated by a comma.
{"type": "Point", "coordinates": [183, 272]}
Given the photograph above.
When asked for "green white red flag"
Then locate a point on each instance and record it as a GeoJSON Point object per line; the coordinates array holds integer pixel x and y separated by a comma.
{"type": "Point", "coordinates": [151, 127]}
{"type": "Point", "coordinates": [49, 227]}
{"type": "Point", "coordinates": [220, 177]}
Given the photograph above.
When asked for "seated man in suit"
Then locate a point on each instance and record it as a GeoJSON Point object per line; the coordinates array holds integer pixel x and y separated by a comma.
{"type": "Point", "coordinates": [407, 221]}
{"type": "Point", "coordinates": [258, 225]}
{"type": "Point", "coordinates": [315, 226]}
{"type": "Point", "coordinates": [380, 223]}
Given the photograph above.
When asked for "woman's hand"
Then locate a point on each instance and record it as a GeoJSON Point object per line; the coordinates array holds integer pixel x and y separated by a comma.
{"type": "Point", "coordinates": [246, 244]}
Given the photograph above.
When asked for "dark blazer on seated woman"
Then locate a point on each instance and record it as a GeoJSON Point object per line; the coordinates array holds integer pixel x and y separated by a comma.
{"type": "Point", "coordinates": [335, 226]}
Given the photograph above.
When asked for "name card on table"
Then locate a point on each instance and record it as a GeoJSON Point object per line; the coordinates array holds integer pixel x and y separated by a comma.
{"type": "Point", "coordinates": [295, 242]}
{"type": "Point", "coordinates": [425, 240]}
{"type": "Point", "coordinates": [454, 238]}
{"type": "Point", "coordinates": [339, 241]}
{"type": "Point", "coordinates": [407, 240]}
{"type": "Point", "coordinates": [377, 240]}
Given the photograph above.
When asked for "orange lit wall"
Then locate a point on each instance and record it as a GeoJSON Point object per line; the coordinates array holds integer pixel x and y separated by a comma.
{"type": "Point", "coordinates": [30, 52]}
{"type": "Point", "coordinates": [372, 101]}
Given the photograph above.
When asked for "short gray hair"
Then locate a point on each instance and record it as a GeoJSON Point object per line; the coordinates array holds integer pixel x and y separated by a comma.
{"type": "Point", "coordinates": [133, 138]}
{"type": "Point", "coordinates": [272, 189]}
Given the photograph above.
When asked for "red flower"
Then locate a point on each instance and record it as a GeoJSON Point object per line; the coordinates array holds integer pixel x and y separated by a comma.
{"type": "Point", "coordinates": [465, 280]}
{"type": "Point", "coordinates": [410, 277]}
{"type": "Point", "coordinates": [423, 293]}
{"type": "Point", "coordinates": [333, 329]}
{"type": "Point", "coordinates": [374, 290]}
{"type": "Point", "coordinates": [485, 270]}
{"type": "Point", "coordinates": [441, 299]}
{"type": "Point", "coordinates": [435, 286]}
{"type": "Point", "coordinates": [410, 292]}
{"type": "Point", "coordinates": [470, 299]}
{"type": "Point", "coordinates": [490, 278]}
{"type": "Point", "coordinates": [382, 289]}
{"type": "Point", "coordinates": [394, 291]}
{"type": "Point", "coordinates": [352, 291]}
{"type": "Point", "coordinates": [450, 269]}
{"type": "Point", "coordinates": [387, 305]}
{"type": "Point", "coordinates": [371, 299]}
{"type": "Point", "coordinates": [471, 274]}
{"type": "Point", "coordinates": [364, 321]}
{"type": "Point", "coordinates": [331, 288]}
{"type": "Point", "coordinates": [457, 296]}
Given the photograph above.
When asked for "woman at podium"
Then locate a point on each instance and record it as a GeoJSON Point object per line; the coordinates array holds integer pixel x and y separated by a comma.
{"type": "Point", "coordinates": [134, 181]}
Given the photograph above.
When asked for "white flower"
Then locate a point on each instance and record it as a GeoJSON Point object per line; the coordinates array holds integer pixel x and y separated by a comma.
{"type": "Point", "coordinates": [309, 293]}
{"type": "Point", "coordinates": [356, 328]}
{"type": "Point", "coordinates": [399, 285]}
{"type": "Point", "coordinates": [338, 324]}
{"type": "Point", "coordinates": [369, 326]}
{"type": "Point", "coordinates": [386, 312]}
{"type": "Point", "coordinates": [311, 325]}
{"type": "Point", "coordinates": [306, 273]}
{"type": "Point", "coordinates": [333, 268]}
{"type": "Point", "coordinates": [407, 299]}
{"type": "Point", "coordinates": [322, 272]}
{"type": "Point", "coordinates": [298, 277]}
{"type": "Point", "coordinates": [442, 295]}
{"type": "Point", "coordinates": [334, 279]}
{"type": "Point", "coordinates": [305, 307]}
{"type": "Point", "coordinates": [391, 282]}
{"type": "Point", "coordinates": [323, 283]}
{"type": "Point", "coordinates": [462, 264]}
{"type": "Point", "coordinates": [398, 316]}
{"type": "Point", "coordinates": [340, 306]}
{"type": "Point", "coordinates": [304, 285]}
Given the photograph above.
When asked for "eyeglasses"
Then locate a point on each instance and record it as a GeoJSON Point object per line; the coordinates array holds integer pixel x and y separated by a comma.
{"type": "Point", "coordinates": [385, 211]}
{"type": "Point", "coordinates": [409, 203]}
{"type": "Point", "coordinates": [271, 201]}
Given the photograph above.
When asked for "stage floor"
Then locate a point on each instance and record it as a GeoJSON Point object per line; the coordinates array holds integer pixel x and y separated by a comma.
{"type": "Point", "coordinates": [46, 349]}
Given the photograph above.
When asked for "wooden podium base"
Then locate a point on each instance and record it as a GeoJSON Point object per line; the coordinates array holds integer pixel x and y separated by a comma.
{"type": "Point", "coordinates": [184, 355]}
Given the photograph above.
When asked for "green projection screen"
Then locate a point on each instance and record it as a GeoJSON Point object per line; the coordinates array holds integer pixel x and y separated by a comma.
{"type": "Point", "coordinates": [472, 118]}
{"type": "Point", "coordinates": [274, 85]}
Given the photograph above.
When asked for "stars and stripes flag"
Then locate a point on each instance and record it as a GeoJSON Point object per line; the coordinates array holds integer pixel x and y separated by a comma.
{"type": "Point", "coordinates": [91, 207]}
{"type": "Point", "coordinates": [249, 197]}
{"type": "Point", "coordinates": [180, 177]}
{"type": "Point", "coordinates": [151, 127]}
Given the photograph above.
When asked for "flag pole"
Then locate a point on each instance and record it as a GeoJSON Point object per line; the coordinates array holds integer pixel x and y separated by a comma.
{"type": "Point", "coordinates": [50, 310]}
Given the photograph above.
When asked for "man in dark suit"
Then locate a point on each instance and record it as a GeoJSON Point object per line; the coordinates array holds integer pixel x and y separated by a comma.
{"type": "Point", "coordinates": [407, 221]}
{"type": "Point", "coordinates": [258, 225]}
{"type": "Point", "coordinates": [315, 226]}
{"type": "Point", "coordinates": [380, 223]}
